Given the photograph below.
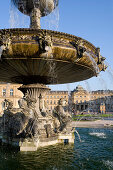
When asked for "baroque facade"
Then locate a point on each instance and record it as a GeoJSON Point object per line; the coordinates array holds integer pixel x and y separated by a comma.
{"type": "Point", "coordinates": [52, 98]}
{"type": "Point", "coordinates": [100, 101]}
{"type": "Point", "coordinates": [10, 92]}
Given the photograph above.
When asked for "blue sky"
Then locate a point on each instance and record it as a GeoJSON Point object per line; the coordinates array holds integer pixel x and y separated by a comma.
{"type": "Point", "coordinates": [89, 19]}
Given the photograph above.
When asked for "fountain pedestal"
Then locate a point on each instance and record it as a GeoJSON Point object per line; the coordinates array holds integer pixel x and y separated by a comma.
{"type": "Point", "coordinates": [36, 92]}
{"type": "Point", "coordinates": [33, 125]}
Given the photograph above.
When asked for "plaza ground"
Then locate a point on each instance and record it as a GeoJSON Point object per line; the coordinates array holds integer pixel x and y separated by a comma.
{"type": "Point", "coordinates": [93, 124]}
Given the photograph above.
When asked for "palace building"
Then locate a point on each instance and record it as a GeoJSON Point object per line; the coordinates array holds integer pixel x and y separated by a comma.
{"type": "Point", "coordinates": [100, 101]}
{"type": "Point", "coordinates": [52, 98]}
{"type": "Point", "coordinates": [81, 100]}
{"type": "Point", "coordinates": [11, 92]}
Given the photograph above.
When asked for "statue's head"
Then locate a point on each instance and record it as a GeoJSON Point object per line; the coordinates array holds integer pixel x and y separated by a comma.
{"type": "Point", "coordinates": [22, 103]}
{"type": "Point", "coordinates": [45, 6]}
{"type": "Point", "coordinates": [62, 102]}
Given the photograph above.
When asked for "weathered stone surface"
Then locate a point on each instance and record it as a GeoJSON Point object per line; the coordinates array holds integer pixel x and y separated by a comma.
{"type": "Point", "coordinates": [45, 6]}
{"type": "Point", "coordinates": [33, 125]}
{"type": "Point", "coordinates": [47, 57]}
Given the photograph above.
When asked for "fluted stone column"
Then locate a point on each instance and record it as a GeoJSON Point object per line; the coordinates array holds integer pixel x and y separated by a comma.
{"type": "Point", "coordinates": [38, 92]}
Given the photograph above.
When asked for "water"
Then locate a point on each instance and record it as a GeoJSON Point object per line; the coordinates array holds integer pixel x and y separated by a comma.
{"type": "Point", "coordinates": [94, 64]}
{"type": "Point", "coordinates": [17, 19]}
{"type": "Point", "coordinates": [94, 152]}
{"type": "Point", "coordinates": [51, 21]}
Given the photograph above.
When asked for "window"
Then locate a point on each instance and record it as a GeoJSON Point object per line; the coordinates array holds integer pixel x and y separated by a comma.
{"type": "Point", "coordinates": [54, 96]}
{"type": "Point", "coordinates": [47, 96]}
{"type": "Point", "coordinates": [54, 102]}
{"type": "Point", "coordinates": [58, 97]}
{"type": "Point", "coordinates": [4, 92]}
{"type": "Point", "coordinates": [64, 96]}
{"type": "Point", "coordinates": [61, 96]}
{"type": "Point", "coordinates": [51, 96]}
{"type": "Point", "coordinates": [48, 101]}
{"type": "Point", "coordinates": [51, 102]}
{"type": "Point", "coordinates": [11, 92]}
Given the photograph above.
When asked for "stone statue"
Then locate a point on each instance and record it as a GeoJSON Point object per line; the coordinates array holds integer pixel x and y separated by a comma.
{"type": "Point", "coordinates": [21, 122]}
{"type": "Point", "coordinates": [63, 116]}
{"type": "Point", "coordinates": [7, 104]}
{"type": "Point", "coordinates": [24, 122]}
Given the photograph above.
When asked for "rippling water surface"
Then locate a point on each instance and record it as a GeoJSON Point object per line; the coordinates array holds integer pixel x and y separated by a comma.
{"type": "Point", "coordinates": [94, 152]}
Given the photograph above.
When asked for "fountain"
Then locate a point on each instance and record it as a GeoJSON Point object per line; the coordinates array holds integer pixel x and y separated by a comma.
{"type": "Point", "coordinates": [25, 59]}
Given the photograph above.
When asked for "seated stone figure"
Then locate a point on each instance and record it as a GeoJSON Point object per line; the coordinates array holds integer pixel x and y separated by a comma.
{"type": "Point", "coordinates": [22, 123]}
{"type": "Point", "coordinates": [63, 117]}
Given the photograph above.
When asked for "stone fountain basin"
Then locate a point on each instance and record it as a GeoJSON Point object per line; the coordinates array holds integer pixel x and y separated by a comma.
{"type": "Point", "coordinates": [44, 56]}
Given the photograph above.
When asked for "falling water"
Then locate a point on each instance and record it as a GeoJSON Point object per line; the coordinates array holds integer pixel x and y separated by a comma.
{"type": "Point", "coordinates": [52, 73]}
{"type": "Point", "coordinates": [78, 135]}
{"type": "Point", "coordinates": [94, 64]}
{"type": "Point", "coordinates": [51, 21]}
{"type": "Point", "coordinates": [103, 82]}
{"type": "Point", "coordinates": [109, 71]}
{"type": "Point", "coordinates": [17, 19]}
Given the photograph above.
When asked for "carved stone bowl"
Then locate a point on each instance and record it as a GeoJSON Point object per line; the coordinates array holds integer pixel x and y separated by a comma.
{"type": "Point", "coordinates": [45, 6]}
{"type": "Point", "coordinates": [48, 57]}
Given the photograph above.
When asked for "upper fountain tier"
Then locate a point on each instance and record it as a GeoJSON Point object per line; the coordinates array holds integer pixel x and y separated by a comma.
{"type": "Point", "coordinates": [48, 57]}
{"type": "Point", "coordinates": [30, 56]}
{"type": "Point", "coordinates": [35, 9]}
{"type": "Point", "coordinates": [45, 6]}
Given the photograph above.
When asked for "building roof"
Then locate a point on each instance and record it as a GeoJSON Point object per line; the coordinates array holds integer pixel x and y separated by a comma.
{"type": "Point", "coordinates": [79, 88]}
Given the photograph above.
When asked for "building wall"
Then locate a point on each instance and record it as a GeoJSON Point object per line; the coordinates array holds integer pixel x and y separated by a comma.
{"type": "Point", "coordinates": [91, 101]}
{"type": "Point", "coordinates": [102, 108]}
{"type": "Point", "coordinates": [52, 98]}
{"type": "Point", "coordinates": [11, 92]}
{"type": "Point", "coordinates": [81, 99]}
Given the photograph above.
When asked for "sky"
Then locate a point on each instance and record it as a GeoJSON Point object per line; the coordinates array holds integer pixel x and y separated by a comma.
{"type": "Point", "coordinates": [89, 19]}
